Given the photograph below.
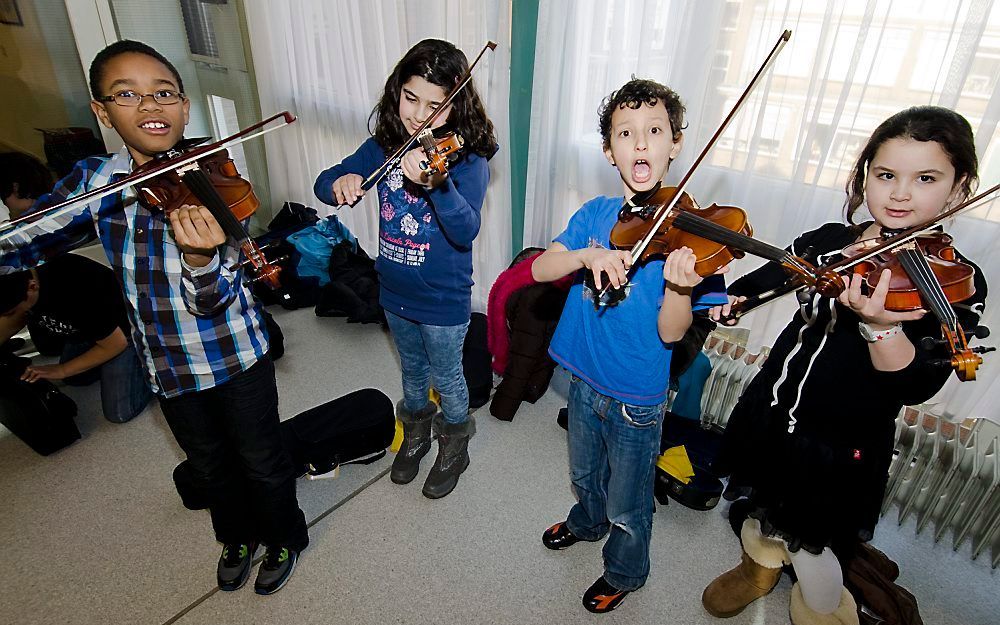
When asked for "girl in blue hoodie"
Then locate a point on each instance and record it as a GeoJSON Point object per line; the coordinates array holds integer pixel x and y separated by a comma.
{"type": "Point", "coordinates": [426, 228]}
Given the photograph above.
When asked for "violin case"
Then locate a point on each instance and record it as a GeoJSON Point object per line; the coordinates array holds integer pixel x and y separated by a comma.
{"type": "Point", "coordinates": [36, 412]}
{"type": "Point", "coordinates": [353, 429]}
{"type": "Point", "coordinates": [704, 489]}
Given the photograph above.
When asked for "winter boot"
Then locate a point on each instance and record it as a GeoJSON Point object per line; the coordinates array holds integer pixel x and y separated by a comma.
{"type": "Point", "coordinates": [416, 441]}
{"type": "Point", "coordinates": [452, 458]}
{"type": "Point", "coordinates": [755, 576]}
{"type": "Point", "coordinates": [845, 614]}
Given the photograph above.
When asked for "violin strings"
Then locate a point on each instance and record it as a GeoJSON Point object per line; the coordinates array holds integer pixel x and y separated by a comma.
{"type": "Point", "coordinates": [198, 182]}
{"type": "Point", "coordinates": [920, 272]}
{"type": "Point", "coordinates": [699, 226]}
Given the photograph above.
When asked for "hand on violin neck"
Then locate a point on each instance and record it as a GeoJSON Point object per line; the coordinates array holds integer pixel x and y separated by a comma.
{"type": "Point", "coordinates": [413, 170]}
{"type": "Point", "coordinates": [679, 272]}
{"type": "Point", "coordinates": [871, 307]}
{"type": "Point", "coordinates": [606, 266]}
{"type": "Point", "coordinates": [197, 234]}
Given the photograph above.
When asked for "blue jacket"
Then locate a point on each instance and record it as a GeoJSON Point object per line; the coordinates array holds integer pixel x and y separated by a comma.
{"type": "Point", "coordinates": [425, 236]}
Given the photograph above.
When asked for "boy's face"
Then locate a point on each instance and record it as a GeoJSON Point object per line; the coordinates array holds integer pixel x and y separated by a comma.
{"type": "Point", "coordinates": [642, 145]}
{"type": "Point", "coordinates": [17, 206]}
{"type": "Point", "coordinates": [150, 128]}
{"type": "Point", "coordinates": [29, 301]}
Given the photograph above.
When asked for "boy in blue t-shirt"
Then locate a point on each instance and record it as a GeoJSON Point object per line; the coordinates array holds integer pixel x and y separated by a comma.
{"type": "Point", "coordinates": [619, 355]}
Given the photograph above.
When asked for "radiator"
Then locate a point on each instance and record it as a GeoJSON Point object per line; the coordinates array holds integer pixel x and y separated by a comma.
{"type": "Point", "coordinates": [947, 475]}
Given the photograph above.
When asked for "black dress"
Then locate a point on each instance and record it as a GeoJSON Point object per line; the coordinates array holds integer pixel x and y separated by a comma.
{"type": "Point", "coordinates": [821, 484]}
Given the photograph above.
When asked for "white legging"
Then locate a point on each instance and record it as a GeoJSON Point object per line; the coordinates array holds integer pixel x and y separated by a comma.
{"type": "Point", "coordinates": [820, 579]}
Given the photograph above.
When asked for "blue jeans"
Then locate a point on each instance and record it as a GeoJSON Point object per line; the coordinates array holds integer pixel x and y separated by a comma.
{"type": "Point", "coordinates": [612, 451]}
{"type": "Point", "coordinates": [125, 388]}
{"type": "Point", "coordinates": [429, 353]}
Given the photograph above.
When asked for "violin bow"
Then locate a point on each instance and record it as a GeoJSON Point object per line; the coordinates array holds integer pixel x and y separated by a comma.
{"type": "Point", "coordinates": [741, 308]}
{"type": "Point", "coordinates": [13, 227]}
{"type": "Point", "coordinates": [377, 175]}
{"type": "Point", "coordinates": [663, 210]}
{"type": "Point", "coordinates": [912, 232]}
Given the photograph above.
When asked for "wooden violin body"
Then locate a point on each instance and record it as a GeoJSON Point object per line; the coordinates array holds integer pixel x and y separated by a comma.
{"type": "Point", "coordinates": [213, 182]}
{"type": "Point", "coordinates": [441, 151]}
{"type": "Point", "coordinates": [955, 278]}
{"type": "Point", "coordinates": [634, 224]}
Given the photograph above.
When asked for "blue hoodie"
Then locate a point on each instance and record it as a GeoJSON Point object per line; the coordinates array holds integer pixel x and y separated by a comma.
{"type": "Point", "coordinates": [425, 235]}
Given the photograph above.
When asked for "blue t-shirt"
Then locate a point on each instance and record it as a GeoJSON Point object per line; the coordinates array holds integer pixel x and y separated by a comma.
{"type": "Point", "coordinates": [617, 350]}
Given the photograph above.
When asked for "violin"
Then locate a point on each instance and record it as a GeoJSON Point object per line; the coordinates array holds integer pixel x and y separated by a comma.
{"type": "Point", "coordinates": [716, 234]}
{"type": "Point", "coordinates": [440, 151]}
{"type": "Point", "coordinates": [922, 271]}
{"type": "Point", "coordinates": [211, 181]}
{"type": "Point", "coordinates": [925, 272]}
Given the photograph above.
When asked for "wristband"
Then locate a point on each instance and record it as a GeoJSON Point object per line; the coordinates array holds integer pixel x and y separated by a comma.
{"type": "Point", "coordinates": [872, 335]}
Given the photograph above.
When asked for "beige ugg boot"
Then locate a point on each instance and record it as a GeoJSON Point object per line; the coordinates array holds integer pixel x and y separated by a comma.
{"type": "Point", "coordinates": [845, 614]}
{"type": "Point", "coordinates": [755, 576]}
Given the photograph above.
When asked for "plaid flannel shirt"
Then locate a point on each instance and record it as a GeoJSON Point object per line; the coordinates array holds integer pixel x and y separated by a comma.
{"type": "Point", "coordinates": [194, 328]}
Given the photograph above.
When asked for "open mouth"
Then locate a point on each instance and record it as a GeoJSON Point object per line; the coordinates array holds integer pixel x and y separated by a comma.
{"type": "Point", "coordinates": [155, 126]}
{"type": "Point", "coordinates": [641, 171]}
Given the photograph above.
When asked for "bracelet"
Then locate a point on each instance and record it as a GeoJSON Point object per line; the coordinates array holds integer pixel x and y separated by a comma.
{"type": "Point", "coordinates": [872, 335]}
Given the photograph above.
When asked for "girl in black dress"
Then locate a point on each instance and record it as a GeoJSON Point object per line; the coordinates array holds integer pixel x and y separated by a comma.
{"type": "Point", "coordinates": [810, 441]}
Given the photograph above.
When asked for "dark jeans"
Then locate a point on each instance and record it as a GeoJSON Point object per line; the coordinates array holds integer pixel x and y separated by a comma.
{"type": "Point", "coordinates": [231, 438]}
{"type": "Point", "coordinates": [125, 390]}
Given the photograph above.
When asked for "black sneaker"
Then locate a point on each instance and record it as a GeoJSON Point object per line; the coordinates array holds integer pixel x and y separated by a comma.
{"type": "Point", "coordinates": [234, 565]}
{"type": "Point", "coordinates": [277, 567]}
{"type": "Point", "coordinates": [559, 537]}
{"type": "Point", "coordinates": [602, 597]}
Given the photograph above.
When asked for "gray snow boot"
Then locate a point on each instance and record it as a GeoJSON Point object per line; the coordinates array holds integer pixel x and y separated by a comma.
{"type": "Point", "coordinates": [416, 442]}
{"type": "Point", "coordinates": [452, 458]}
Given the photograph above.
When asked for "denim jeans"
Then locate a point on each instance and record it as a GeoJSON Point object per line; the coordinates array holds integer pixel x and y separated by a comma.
{"type": "Point", "coordinates": [231, 437]}
{"type": "Point", "coordinates": [612, 451]}
{"type": "Point", "coordinates": [125, 388]}
{"type": "Point", "coordinates": [432, 353]}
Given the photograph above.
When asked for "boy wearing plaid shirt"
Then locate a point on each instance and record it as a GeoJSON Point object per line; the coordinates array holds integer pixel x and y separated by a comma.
{"type": "Point", "coordinates": [199, 332]}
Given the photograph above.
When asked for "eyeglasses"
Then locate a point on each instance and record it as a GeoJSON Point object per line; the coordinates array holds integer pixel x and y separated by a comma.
{"type": "Point", "coordinates": [131, 98]}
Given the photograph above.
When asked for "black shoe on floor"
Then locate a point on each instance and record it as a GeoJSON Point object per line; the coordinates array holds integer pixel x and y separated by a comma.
{"type": "Point", "coordinates": [602, 597]}
{"type": "Point", "coordinates": [277, 567]}
{"type": "Point", "coordinates": [559, 537]}
{"type": "Point", "coordinates": [234, 565]}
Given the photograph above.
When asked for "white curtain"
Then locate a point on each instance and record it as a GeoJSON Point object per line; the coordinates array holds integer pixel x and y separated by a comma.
{"type": "Point", "coordinates": [327, 62]}
{"type": "Point", "coordinates": [786, 157]}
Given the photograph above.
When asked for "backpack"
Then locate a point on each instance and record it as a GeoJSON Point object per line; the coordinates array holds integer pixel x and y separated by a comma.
{"type": "Point", "coordinates": [36, 412]}
{"type": "Point", "coordinates": [476, 361]}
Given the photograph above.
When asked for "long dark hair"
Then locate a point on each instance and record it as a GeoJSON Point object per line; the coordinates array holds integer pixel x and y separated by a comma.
{"type": "Point", "coordinates": [921, 123]}
{"type": "Point", "coordinates": [440, 63]}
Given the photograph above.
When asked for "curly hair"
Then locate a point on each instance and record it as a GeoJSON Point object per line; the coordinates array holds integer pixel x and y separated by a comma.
{"type": "Point", "coordinates": [920, 123]}
{"type": "Point", "coordinates": [442, 64]}
{"type": "Point", "coordinates": [634, 94]}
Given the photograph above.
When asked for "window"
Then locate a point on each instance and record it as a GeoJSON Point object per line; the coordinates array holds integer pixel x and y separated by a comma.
{"type": "Point", "coordinates": [199, 28]}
